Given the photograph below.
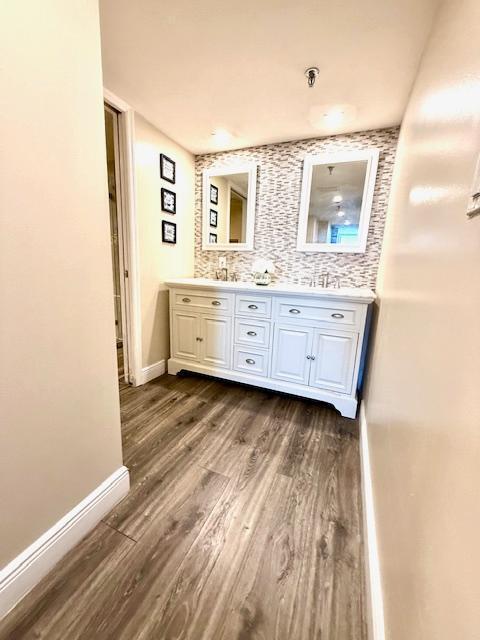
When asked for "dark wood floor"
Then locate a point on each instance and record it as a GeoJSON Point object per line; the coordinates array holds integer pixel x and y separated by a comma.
{"type": "Point", "coordinates": [243, 521]}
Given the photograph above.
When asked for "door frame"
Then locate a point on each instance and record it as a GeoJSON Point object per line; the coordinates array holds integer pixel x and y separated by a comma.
{"type": "Point", "coordinates": [128, 221]}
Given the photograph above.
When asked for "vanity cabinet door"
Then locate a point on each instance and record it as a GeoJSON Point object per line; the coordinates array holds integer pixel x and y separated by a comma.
{"type": "Point", "coordinates": [333, 360]}
{"type": "Point", "coordinates": [216, 344]}
{"type": "Point", "coordinates": [292, 348]}
{"type": "Point", "coordinates": [186, 335]}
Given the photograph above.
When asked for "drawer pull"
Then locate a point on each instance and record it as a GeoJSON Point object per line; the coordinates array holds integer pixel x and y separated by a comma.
{"type": "Point", "coordinates": [216, 303]}
{"type": "Point", "coordinates": [199, 339]}
{"type": "Point", "coordinates": [186, 300]}
{"type": "Point", "coordinates": [337, 315]}
{"type": "Point", "coordinates": [251, 333]}
{"type": "Point", "coordinates": [294, 311]}
{"type": "Point", "coordinates": [250, 361]}
{"type": "Point", "coordinates": [252, 306]}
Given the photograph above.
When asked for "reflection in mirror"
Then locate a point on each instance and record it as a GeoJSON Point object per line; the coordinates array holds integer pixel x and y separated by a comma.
{"type": "Point", "coordinates": [230, 194]}
{"type": "Point", "coordinates": [336, 201]}
{"type": "Point", "coordinates": [228, 208]}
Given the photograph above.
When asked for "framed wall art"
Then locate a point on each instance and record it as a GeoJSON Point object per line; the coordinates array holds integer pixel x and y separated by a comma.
{"type": "Point", "coordinates": [169, 201]}
{"type": "Point", "coordinates": [167, 168]}
{"type": "Point", "coordinates": [213, 218]}
{"type": "Point", "coordinates": [169, 232]}
{"type": "Point", "coordinates": [213, 194]}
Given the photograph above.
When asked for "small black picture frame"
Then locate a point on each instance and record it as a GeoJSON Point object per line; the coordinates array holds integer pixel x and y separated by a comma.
{"type": "Point", "coordinates": [169, 232]}
{"type": "Point", "coordinates": [169, 200]}
{"type": "Point", "coordinates": [213, 194]}
{"type": "Point", "coordinates": [167, 168]}
{"type": "Point", "coordinates": [213, 218]}
{"type": "Point", "coordinates": [212, 238]}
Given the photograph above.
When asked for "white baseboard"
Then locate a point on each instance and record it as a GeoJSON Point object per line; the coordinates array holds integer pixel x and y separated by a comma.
{"type": "Point", "coordinates": [153, 371]}
{"type": "Point", "coordinates": [30, 566]}
{"type": "Point", "coordinates": [376, 622]}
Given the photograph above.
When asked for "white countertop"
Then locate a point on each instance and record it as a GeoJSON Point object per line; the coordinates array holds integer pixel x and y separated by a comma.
{"type": "Point", "coordinates": [346, 293]}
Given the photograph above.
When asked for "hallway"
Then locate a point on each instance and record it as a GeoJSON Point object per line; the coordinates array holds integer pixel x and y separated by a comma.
{"type": "Point", "coordinates": [243, 521]}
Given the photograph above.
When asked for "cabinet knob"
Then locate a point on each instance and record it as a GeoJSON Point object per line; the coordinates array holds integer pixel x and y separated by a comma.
{"type": "Point", "coordinates": [309, 357]}
{"type": "Point", "coordinates": [251, 333]}
{"type": "Point", "coordinates": [216, 303]}
{"type": "Point", "coordinates": [186, 300]}
{"type": "Point", "coordinates": [250, 361]}
{"type": "Point", "coordinates": [294, 311]}
{"type": "Point", "coordinates": [252, 306]}
{"type": "Point", "coordinates": [337, 315]}
{"type": "Point", "coordinates": [312, 358]}
{"type": "Point", "coordinates": [199, 339]}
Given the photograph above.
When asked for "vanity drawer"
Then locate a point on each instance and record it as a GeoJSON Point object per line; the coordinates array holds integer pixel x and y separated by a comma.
{"type": "Point", "coordinates": [255, 333]}
{"type": "Point", "coordinates": [251, 361]}
{"type": "Point", "coordinates": [254, 306]}
{"type": "Point", "coordinates": [203, 301]}
{"type": "Point", "coordinates": [301, 311]}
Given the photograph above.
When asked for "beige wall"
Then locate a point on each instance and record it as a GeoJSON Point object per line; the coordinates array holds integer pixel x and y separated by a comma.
{"type": "Point", "coordinates": [60, 428]}
{"type": "Point", "coordinates": [159, 261]}
{"type": "Point", "coordinates": [423, 400]}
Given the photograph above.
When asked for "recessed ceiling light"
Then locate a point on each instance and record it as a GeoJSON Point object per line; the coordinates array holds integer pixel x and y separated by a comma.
{"type": "Point", "coordinates": [221, 136]}
{"type": "Point", "coordinates": [347, 222]}
{"type": "Point", "coordinates": [331, 116]}
{"type": "Point", "coordinates": [337, 198]}
{"type": "Point", "coordinates": [340, 213]}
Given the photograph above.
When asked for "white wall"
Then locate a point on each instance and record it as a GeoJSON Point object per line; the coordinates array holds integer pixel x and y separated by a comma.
{"type": "Point", "coordinates": [60, 426]}
{"type": "Point", "coordinates": [160, 261]}
{"type": "Point", "coordinates": [423, 401]}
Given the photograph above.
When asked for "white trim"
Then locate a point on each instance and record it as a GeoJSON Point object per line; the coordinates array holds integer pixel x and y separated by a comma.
{"type": "Point", "coordinates": [115, 101]}
{"type": "Point", "coordinates": [122, 246]}
{"type": "Point", "coordinates": [251, 169]}
{"type": "Point", "coordinates": [134, 319]}
{"type": "Point", "coordinates": [30, 566]}
{"type": "Point", "coordinates": [376, 622]}
{"type": "Point", "coordinates": [153, 371]}
{"type": "Point", "coordinates": [371, 156]}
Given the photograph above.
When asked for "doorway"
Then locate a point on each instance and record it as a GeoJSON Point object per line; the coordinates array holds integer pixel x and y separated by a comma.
{"type": "Point", "coordinates": [117, 240]}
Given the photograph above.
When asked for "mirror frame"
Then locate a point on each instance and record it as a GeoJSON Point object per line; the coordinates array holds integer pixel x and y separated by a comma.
{"type": "Point", "coordinates": [219, 170]}
{"type": "Point", "coordinates": [311, 160]}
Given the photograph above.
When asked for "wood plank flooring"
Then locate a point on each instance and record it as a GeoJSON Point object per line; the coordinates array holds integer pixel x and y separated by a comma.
{"type": "Point", "coordinates": [243, 522]}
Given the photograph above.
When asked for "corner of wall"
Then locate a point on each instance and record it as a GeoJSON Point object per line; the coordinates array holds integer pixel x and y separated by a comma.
{"type": "Point", "coordinates": [374, 600]}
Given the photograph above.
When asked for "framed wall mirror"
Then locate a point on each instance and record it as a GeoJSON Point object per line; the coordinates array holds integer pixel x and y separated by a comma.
{"type": "Point", "coordinates": [336, 201]}
{"type": "Point", "coordinates": [228, 214]}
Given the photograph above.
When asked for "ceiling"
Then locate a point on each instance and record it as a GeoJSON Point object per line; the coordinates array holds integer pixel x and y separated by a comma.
{"type": "Point", "coordinates": [193, 66]}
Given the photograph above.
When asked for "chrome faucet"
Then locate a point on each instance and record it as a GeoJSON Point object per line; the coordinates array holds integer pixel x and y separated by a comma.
{"type": "Point", "coordinates": [324, 280]}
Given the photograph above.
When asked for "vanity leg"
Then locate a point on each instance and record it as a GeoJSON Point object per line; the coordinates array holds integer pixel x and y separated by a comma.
{"type": "Point", "coordinates": [173, 367]}
{"type": "Point", "coordinates": [346, 406]}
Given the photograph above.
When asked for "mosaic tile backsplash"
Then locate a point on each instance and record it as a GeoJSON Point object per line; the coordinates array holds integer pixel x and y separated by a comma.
{"type": "Point", "coordinates": [279, 180]}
